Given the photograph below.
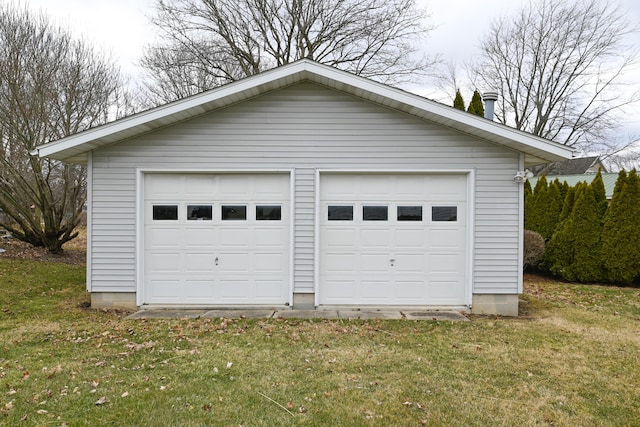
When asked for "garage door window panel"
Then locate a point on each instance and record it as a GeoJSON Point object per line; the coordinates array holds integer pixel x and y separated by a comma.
{"type": "Point", "coordinates": [444, 213]}
{"type": "Point", "coordinates": [165, 212]}
{"type": "Point", "coordinates": [234, 212]}
{"type": "Point", "coordinates": [340, 213]}
{"type": "Point", "coordinates": [199, 212]}
{"type": "Point", "coordinates": [409, 213]}
{"type": "Point", "coordinates": [375, 213]}
{"type": "Point", "coordinates": [268, 213]}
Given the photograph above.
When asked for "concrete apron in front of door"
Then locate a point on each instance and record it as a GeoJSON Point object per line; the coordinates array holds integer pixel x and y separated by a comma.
{"type": "Point", "coordinates": [409, 314]}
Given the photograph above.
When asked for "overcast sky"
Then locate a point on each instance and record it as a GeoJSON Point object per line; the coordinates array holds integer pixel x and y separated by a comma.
{"type": "Point", "coordinates": [122, 26]}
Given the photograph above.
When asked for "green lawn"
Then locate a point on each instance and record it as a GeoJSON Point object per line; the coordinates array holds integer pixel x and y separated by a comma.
{"type": "Point", "coordinates": [571, 359]}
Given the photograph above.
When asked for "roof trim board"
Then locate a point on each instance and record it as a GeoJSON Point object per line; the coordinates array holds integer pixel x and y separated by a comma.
{"type": "Point", "coordinates": [74, 148]}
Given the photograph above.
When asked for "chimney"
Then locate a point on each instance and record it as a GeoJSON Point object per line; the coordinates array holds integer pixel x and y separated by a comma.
{"type": "Point", "coordinates": [489, 99]}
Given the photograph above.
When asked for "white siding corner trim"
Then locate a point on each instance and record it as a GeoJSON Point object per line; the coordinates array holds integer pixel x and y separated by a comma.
{"type": "Point", "coordinates": [89, 205]}
{"type": "Point", "coordinates": [292, 233]}
{"type": "Point", "coordinates": [471, 203]}
{"type": "Point", "coordinates": [521, 229]}
{"type": "Point", "coordinates": [140, 236]}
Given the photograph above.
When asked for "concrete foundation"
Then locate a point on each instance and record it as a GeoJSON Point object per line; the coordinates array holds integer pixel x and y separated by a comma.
{"type": "Point", "coordinates": [304, 301]}
{"type": "Point", "coordinates": [114, 300]}
{"type": "Point", "coordinates": [497, 304]}
{"type": "Point", "coordinates": [494, 304]}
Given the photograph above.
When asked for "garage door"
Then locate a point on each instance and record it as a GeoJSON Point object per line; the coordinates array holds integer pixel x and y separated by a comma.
{"type": "Point", "coordinates": [393, 239]}
{"type": "Point", "coordinates": [216, 239]}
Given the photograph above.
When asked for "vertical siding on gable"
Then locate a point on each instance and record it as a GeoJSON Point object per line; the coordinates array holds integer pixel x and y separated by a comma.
{"type": "Point", "coordinates": [305, 127]}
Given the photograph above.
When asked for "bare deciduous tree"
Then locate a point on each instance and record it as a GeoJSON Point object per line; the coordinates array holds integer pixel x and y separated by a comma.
{"type": "Point", "coordinates": [207, 43]}
{"type": "Point", "coordinates": [559, 66]}
{"type": "Point", "coordinates": [51, 86]}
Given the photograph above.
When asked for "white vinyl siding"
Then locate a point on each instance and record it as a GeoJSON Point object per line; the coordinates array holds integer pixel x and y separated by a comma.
{"type": "Point", "coordinates": [113, 230]}
{"type": "Point", "coordinates": [305, 127]}
{"type": "Point", "coordinates": [304, 242]}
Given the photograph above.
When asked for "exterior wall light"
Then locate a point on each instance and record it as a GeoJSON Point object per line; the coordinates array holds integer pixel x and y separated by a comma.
{"type": "Point", "coordinates": [522, 176]}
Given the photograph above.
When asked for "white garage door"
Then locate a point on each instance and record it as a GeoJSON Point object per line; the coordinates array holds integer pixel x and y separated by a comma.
{"type": "Point", "coordinates": [393, 239]}
{"type": "Point", "coordinates": [216, 239]}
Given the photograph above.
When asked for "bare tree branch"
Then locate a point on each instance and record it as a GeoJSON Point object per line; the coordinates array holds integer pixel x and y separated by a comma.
{"type": "Point", "coordinates": [51, 86]}
{"type": "Point", "coordinates": [207, 43]}
{"type": "Point", "coordinates": [559, 66]}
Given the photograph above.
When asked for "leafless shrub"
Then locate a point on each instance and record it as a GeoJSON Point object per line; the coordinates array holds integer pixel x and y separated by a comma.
{"type": "Point", "coordinates": [533, 249]}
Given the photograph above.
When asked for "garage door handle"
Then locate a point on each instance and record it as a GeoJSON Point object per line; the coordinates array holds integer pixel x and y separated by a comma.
{"type": "Point", "coordinates": [392, 261]}
{"type": "Point", "coordinates": [216, 260]}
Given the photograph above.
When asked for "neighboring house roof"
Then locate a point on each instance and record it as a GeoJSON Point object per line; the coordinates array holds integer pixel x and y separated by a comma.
{"type": "Point", "coordinates": [575, 166]}
{"type": "Point", "coordinates": [75, 147]}
{"type": "Point", "coordinates": [609, 180]}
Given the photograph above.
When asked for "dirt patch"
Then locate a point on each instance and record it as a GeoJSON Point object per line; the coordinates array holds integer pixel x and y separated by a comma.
{"type": "Point", "coordinates": [75, 251]}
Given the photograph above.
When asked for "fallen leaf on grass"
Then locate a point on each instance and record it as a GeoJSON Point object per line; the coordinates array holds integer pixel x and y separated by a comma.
{"type": "Point", "coordinates": [125, 394]}
{"type": "Point", "coordinates": [102, 401]}
{"type": "Point", "coordinates": [54, 371]}
{"type": "Point", "coordinates": [42, 411]}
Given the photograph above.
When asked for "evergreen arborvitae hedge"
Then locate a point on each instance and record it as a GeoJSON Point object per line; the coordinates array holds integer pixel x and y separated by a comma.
{"type": "Point", "coordinates": [476, 106]}
{"type": "Point", "coordinates": [574, 250]}
{"type": "Point", "coordinates": [587, 226]}
{"type": "Point", "coordinates": [600, 193]}
{"type": "Point", "coordinates": [621, 231]}
{"type": "Point", "coordinates": [592, 240]}
{"type": "Point", "coordinates": [458, 102]}
{"type": "Point", "coordinates": [531, 213]}
{"type": "Point", "coordinates": [543, 208]}
{"type": "Point", "coordinates": [569, 201]}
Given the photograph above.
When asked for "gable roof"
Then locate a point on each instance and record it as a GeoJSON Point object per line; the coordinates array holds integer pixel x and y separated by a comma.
{"type": "Point", "coordinates": [74, 148]}
{"type": "Point", "coordinates": [579, 165]}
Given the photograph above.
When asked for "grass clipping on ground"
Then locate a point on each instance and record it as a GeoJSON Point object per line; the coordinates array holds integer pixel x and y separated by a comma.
{"type": "Point", "coordinates": [571, 359]}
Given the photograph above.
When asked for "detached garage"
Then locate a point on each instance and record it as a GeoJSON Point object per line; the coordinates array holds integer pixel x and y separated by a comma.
{"type": "Point", "coordinates": [301, 187]}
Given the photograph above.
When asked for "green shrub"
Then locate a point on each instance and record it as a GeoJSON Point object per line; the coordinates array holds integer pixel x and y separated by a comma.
{"type": "Point", "coordinates": [543, 208]}
{"type": "Point", "coordinates": [574, 252]}
{"type": "Point", "coordinates": [476, 106]}
{"type": "Point", "coordinates": [600, 194]}
{"type": "Point", "coordinates": [458, 102]}
{"type": "Point", "coordinates": [621, 231]}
